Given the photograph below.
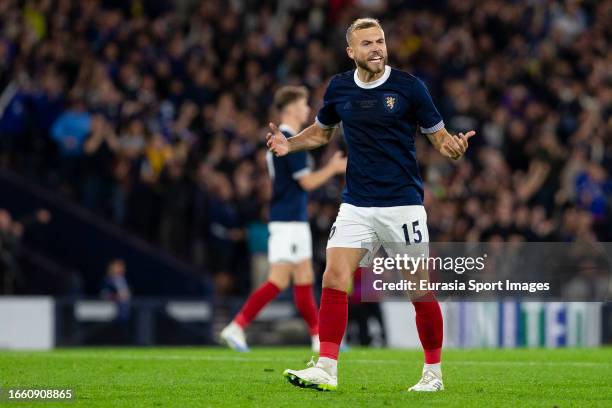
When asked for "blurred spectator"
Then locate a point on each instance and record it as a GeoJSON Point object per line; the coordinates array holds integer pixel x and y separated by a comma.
{"type": "Point", "coordinates": [13, 120]}
{"type": "Point", "coordinates": [71, 129]}
{"type": "Point", "coordinates": [115, 288]}
{"type": "Point", "coordinates": [99, 150]}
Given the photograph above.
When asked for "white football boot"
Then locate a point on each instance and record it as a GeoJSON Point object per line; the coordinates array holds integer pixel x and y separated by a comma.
{"type": "Point", "coordinates": [316, 376]}
{"type": "Point", "coordinates": [234, 337]}
{"type": "Point", "coordinates": [431, 381]}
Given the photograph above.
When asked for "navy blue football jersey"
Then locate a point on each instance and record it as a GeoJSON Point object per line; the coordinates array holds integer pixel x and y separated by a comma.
{"type": "Point", "coordinates": [379, 121]}
{"type": "Point", "coordinates": [289, 200]}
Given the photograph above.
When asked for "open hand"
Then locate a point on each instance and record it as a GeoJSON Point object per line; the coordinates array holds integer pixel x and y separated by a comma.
{"type": "Point", "coordinates": [277, 142]}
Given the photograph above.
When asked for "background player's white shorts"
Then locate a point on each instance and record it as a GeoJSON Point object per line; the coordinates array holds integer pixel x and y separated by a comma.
{"type": "Point", "coordinates": [289, 242]}
{"type": "Point", "coordinates": [367, 227]}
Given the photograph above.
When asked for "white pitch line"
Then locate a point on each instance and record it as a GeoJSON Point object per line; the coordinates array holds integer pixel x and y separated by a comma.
{"type": "Point", "coordinates": [346, 360]}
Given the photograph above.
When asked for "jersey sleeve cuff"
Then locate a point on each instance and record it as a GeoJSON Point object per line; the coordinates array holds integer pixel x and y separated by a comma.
{"type": "Point", "coordinates": [434, 128]}
{"type": "Point", "coordinates": [301, 173]}
{"type": "Point", "coordinates": [323, 125]}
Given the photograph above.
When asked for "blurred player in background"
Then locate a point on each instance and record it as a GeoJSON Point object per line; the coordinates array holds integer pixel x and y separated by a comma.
{"type": "Point", "coordinates": [290, 242]}
{"type": "Point", "coordinates": [380, 109]}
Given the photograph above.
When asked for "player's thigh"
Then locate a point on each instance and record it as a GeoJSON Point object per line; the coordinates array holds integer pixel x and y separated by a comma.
{"type": "Point", "coordinates": [280, 274]}
{"type": "Point", "coordinates": [303, 273]}
{"type": "Point", "coordinates": [341, 263]}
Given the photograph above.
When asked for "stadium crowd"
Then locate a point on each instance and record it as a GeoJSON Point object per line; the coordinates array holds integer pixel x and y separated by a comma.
{"type": "Point", "coordinates": [153, 113]}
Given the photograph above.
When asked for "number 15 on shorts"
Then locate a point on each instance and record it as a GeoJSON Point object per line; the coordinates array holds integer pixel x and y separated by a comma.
{"type": "Point", "coordinates": [413, 229]}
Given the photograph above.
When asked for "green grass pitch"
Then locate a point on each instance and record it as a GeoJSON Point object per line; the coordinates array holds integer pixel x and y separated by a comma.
{"type": "Point", "coordinates": [216, 377]}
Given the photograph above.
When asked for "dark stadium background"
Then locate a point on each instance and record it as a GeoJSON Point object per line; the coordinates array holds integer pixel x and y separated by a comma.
{"type": "Point", "coordinates": [139, 126]}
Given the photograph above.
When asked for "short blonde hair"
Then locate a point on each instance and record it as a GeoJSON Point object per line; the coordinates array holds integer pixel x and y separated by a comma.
{"type": "Point", "coordinates": [360, 24]}
{"type": "Point", "coordinates": [289, 94]}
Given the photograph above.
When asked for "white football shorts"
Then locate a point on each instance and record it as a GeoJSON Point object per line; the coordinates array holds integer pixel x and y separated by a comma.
{"type": "Point", "coordinates": [403, 229]}
{"type": "Point", "coordinates": [289, 242]}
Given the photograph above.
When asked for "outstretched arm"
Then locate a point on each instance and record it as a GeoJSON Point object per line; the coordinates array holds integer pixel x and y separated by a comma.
{"type": "Point", "coordinates": [310, 138]}
{"type": "Point", "coordinates": [452, 146]}
{"type": "Point", "coordinates": [335, 165]}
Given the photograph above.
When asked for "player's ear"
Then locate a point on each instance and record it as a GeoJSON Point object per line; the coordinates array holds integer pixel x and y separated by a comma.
{"type": "Point", "coordinates": [350, 52]}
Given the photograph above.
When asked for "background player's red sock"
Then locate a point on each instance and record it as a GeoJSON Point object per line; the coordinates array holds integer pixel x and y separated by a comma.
{"type": "Point", "coordinates": [258, 299]}
{"type": "Point", "coordinates": [333, 317]}
{"type": "Point", "coordinates": [430, 327]}
{"type": "Point", "coordinates": [305, 304]}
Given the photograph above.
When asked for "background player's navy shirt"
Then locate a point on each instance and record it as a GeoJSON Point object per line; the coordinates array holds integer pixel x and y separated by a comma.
{"type": "Point", "coordinates": [289, 200]}
{"type": "Point", "coordinates": [380, 120]}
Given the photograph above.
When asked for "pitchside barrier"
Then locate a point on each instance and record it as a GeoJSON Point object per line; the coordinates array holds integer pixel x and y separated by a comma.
{"type": "Point", "coordinates": [41, 322]}
{"type": "Point", "coordinates": [44, 323]}
{"type": "Point", "coordinates": [502, 324]}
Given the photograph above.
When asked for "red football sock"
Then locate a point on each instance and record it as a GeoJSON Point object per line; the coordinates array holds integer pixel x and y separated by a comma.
{"type": "Point", "coordinates": [333, 316]}
{"type": "Point", "coordinates": [305, 304]}
{"type": "Point", "coordinates": [430, 327]}
{"type": "Point", "coordinates": [258, 299]}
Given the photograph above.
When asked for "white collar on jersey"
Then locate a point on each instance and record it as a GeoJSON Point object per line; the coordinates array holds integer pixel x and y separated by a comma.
{"type": "Point", "coordinates": [286, 128]}
{"type": "Point", "coordinates": [373, 84]}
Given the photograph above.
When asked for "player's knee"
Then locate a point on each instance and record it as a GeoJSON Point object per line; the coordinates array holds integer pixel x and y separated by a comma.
{"type": "Point", "coordinates": [303, 274]}
{"type": "Point", "coordinates": [280, 280]}
{"type": "Point", "coordinates": [336, 278]}
{"type": "Point", "coordinates": [282, 283]}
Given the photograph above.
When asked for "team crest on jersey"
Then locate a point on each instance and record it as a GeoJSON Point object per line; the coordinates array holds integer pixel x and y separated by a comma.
{"type": "Point", "coordinates": [390, 102]}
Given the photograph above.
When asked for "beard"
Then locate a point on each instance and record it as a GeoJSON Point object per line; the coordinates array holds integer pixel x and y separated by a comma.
{"type": "Point", "coordinates": [374, 68]}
